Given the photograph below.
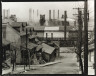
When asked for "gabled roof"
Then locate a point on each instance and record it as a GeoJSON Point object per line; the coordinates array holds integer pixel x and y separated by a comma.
{"type": "Point", "coordinates": [8, 25]}
{"type": "Point", "coordinates": [29, 46]}
{"type": "Point", "coordinates": [55, 44]}
{"type": "Point", "coordinates": [29, 28]}
{"type": "Point", "coordinates": [32, 36]}
{"type": "Point", "coordinates": [47, 49]}
{"type": "Point", "coordinates": [39, 47]}
{"type": "Point", "coordinates": [40, 28]}
{"type": "Point", "coordinates": [7, 21]}
{"type": "Point", "coordinates": [18, 24]}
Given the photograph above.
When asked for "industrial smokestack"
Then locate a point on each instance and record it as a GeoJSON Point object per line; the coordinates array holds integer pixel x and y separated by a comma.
{"type": "Point", "coordinates": [7, 13]}
{"type": "Point", "coordinates": [53, 14]}
{"type": "Point", "coordinates": [3, 13]}
{"type": "Point", "coordinates": [58, 14]}
{"type": "Point", "coordinates": [49, 15]}
{"type": "Point", "coordinates": [33, 14]}
{"type": "Point", "coordinates": [37, 12]}
{"type": "Point", "coordinates": [30, 13]}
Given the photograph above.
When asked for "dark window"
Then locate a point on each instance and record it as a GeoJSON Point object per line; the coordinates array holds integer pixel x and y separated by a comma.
{"type": "Point", "coordinates": [51, 35]}
{"type": "Point", "coordinates": [46, 35]}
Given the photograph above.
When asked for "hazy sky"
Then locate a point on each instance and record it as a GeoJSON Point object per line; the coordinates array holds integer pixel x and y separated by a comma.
{"type": "Point", "coordinates": [21, 9]}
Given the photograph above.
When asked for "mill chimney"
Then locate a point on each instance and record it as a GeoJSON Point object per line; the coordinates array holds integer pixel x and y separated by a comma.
{"type": "Point", "coordinates": [3, 13]}
{"type": "Point", "coordinates": [49, 15]}
{"type": "Point", "coordinates": [58, 14]}
{"type": "Point", "coordinates": [53, 14]}
{"type": "Point", "coordinates": [7, 14]}
{"type": "Point", "coordinates": [30, 12]}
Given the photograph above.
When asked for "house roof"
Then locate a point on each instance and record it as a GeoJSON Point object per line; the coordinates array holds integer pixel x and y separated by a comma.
{"type": "Point", "coordinates": [23, 33]}
{"type": "Point", "coordinates": [39, 47]}
{"type": "Point", "coordinates": [8, 25]}
{"type": "Point", "coordinates": [29, 28]}
{"type": "Point", "coordinates": [54, 43]}
{"type": "Point", "coordinates": [32, 36]}
{"type": "Point", "coordinates": [48, 49]}
{"type": "Point", "coordinates": [29, 46]}
{"type": "Point", "coordinates": [7, 21]}
{"type": "Point", "coordinates": [40, 28]}
{"type": "Point", "coordinates": [18, 24]}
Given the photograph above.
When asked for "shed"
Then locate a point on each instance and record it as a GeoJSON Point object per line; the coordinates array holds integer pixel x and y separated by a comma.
{"type": "Point", "coordinates": [39, 47]}
{"type": "Point", "coordinates": [56, 46]}
{"type": "Point", "coordinates": [48, 53]}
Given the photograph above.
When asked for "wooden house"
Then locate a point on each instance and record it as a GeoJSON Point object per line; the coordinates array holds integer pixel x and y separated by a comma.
{"type": "Point", "coordinates": [15, 38]}
{"type": "Point", "coordinates": [48, 52]}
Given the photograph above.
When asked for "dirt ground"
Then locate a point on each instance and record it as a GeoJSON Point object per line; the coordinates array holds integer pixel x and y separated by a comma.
{"type": "Point", "coordinates": [68, 65]}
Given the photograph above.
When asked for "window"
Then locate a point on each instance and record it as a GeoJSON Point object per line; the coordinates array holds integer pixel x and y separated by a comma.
{"type": "Point", "coordinates": [51, 35]}
{"type": "Point", "coordinates": [46, 35]}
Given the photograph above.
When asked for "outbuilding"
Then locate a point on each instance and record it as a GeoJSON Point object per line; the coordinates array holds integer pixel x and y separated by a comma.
{"type": "Point", "coordinates": [48, 53]}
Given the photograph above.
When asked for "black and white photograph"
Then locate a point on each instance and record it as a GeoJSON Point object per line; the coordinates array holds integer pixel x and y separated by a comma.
{"type": "Point", "coordinates": [48, 37]}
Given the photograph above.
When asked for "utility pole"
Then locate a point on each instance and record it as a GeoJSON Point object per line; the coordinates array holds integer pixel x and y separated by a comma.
{"type": "Point", "coordinates": [85, 39]}
{"type": "Point", "coordinates": [27, 49]}
{"type": "Point", "coordinates": [79, 41]}
{"type": "Point", "coordinates": [23, 58]}
{"type": "Point", "coordinates": [1, 51]}
{"type": "Point", "coordinates": [65, 20]}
